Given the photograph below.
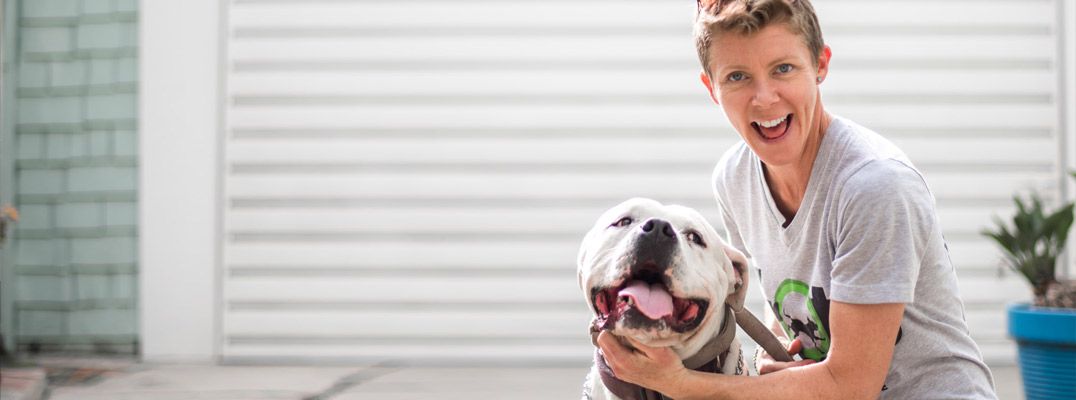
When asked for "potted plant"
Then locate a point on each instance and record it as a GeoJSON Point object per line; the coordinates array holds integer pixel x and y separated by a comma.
{"type": "Point", "coordinates": [1045, 331]}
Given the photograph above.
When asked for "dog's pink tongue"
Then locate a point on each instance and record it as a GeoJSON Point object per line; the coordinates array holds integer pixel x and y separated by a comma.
{"type": "Point", "coordinates": [650, 299]}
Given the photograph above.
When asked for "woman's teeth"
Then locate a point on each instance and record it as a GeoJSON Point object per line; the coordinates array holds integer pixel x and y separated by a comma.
{"type": "Point", "coordinates": [771, 124]}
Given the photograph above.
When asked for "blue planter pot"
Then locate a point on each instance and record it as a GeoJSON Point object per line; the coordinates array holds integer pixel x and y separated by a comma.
{"type": "Point", "coordinates": [1046, 341]}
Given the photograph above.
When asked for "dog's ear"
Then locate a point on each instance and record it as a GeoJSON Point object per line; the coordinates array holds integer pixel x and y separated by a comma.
{"type": "Point", "coordinates": [739, 269]}
{"type": "Point", "coordinates": [584, 253]}
{"type": "Point", "coordinates": [579, 261]}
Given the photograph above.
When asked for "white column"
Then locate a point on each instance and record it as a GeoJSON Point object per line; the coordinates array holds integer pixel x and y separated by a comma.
{"type": "Point", "coordinates": [1066, 98]}
{"type": "Point", "coordinates": [179, 67]}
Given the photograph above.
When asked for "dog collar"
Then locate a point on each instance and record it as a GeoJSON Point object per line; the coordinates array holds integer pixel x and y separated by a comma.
{"type": "Point", "coordinates": [708, 359]}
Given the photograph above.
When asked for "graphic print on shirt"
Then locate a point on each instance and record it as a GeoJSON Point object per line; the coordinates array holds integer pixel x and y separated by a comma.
{"type": "Point", "coordinates": [804, 314]}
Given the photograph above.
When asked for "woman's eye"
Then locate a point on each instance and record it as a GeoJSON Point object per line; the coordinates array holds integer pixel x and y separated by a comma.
{"type": "Point", "coordinates": [784, 68]}
{"type": "Point", "coordinates": [694, 237]}
{"type": "Point", "coordinates": [736, 77]}
{"type": "Point", "coordinates": [623, 222]}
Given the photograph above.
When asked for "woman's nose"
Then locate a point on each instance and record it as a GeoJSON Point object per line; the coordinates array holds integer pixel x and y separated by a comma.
{"type": "Point", "coordinates": [765, 94]}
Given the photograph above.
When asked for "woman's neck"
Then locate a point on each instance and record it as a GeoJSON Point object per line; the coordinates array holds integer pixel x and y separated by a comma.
{"type": "Point", "coordinates": [788, 183]}
{"type": "Point", "coordinates": [788, 187]}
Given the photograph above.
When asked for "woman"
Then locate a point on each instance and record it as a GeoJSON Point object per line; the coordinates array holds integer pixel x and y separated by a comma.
{"type": "Point", "coordinates": [839, 223]}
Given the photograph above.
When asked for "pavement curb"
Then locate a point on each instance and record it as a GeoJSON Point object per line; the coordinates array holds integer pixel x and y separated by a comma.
{"type": "Point", "coordinates": [22, 383]}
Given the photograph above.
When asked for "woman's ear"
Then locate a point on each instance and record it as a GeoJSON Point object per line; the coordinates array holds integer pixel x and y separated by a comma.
{"type": "Point", "coordinates": [823, 63]}
{"type": "Point", "coordinates": [709, 86]}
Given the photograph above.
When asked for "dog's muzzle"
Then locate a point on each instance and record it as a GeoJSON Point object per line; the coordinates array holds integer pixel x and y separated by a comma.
{"type": "Point", "coordinates": [643, 298]}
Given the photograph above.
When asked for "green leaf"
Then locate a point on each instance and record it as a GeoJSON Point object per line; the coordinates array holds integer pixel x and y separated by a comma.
{"type": "Point", "coordinates": [1034, 240]}
{"type": "Point", "coordinates": [1059, 223]}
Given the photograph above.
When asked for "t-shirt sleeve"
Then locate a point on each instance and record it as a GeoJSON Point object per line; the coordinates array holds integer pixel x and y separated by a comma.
{"type": "Point", "coordinates": [731, 229]}
{"type": "Point", "coordinates": [884, 221]}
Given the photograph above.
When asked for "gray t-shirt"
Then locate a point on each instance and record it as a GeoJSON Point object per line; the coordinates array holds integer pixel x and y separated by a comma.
{"type": "Point", "coordinates": [865, 233]}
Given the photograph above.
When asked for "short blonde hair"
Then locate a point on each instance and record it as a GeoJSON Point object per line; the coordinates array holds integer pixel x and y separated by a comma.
{"type": "Point", "coordinates": [745, 17]}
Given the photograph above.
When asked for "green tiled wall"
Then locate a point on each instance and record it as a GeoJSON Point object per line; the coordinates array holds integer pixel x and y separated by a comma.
{"type": "Point", "coordinates": [76, 175]}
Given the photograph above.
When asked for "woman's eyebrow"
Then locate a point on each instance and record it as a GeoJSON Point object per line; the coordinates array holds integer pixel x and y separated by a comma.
{"type": "Point", "coordinates": [731, 67]}
{"type": "Point", "coordinates": [781, 60]}
{"type": "Point", "coordinates": [776, 61]}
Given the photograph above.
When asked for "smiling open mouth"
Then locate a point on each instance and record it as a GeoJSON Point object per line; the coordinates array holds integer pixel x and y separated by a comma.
{"type": "Point", "coordinates": [646, 301]}
{"type": "Point", "coordinates": [773, 130]}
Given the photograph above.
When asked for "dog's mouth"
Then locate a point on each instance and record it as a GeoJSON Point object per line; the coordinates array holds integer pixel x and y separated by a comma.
{"type": "Point", "coordinates": [649, 303]}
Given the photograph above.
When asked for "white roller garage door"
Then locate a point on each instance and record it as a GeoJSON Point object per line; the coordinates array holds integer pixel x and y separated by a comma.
{"type": "Point", "coordinates": [410, 180]}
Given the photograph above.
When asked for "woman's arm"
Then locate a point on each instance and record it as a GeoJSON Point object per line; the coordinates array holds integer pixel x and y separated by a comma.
{"type": "Point", "coordinates": [863, 338]}
{"type": "Point", "coordinates": [764, 361]}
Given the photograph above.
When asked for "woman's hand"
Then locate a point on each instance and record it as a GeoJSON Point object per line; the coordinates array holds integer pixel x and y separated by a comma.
{"type": "Point", "coordinates": [656, 368]}
{"type": "Point", "coordinates": [766, 364]}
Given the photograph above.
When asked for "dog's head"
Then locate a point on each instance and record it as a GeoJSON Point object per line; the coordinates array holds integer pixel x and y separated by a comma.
{"type": "Point", "coordinates": [659, 274]}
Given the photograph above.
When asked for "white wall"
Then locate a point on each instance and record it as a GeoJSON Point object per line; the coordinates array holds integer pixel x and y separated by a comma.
{"type": "Point", "coordinates": [178, 116]}
{"type": "Point", "coordinates": [1067, 107]}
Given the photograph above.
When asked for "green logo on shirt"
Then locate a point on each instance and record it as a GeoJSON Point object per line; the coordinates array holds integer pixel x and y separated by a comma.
{"type": "Point", "coordinates": [804, 314]}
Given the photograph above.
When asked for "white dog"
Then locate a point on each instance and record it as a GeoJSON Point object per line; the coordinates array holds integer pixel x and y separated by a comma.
{"type": "Point", "coordinates": [662, 275]}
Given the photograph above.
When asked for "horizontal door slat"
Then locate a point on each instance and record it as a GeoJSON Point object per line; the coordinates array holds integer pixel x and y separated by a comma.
{"type": "Point", "coordinates": [461, 13]}
{"type": "Point", "coordinates": [406, 254]}
{"type": "Point", "coordinates": [966, 221]}
{"type": "Point", "coordinates": [479, 325]}
{"type": "Point", "coordinates": [663, 187]}
{"type": "Point", "coordinates": [442, 351]}
{"type": "Point", "coordinates": [499, 323]}
{"type": "Point", "coordinates": [993, 290]}
{"type": "Point", "coordinates": [557, 254]}
{"type": "Point", "coordinates": [991, 323]}
{"type": "Point", "coordinates": [409, 289]}
{"type": "Point", "coordinates": [518, 83]}
{"type": "Point", "coordinates": [626, 46]}
{"type": "Point", "coordinates": [643, 82]}
{"type": "Point", "coordinates": [1036, 12]}
{"type": "Point", "coordinates": [587, 150]}
{"type": "Point", "coordinates": [599, 14]}
{"type": "Point", "coordinates": [531, 294]}
{"type": "Point", "coordinates": [566, 221]}
{"type": "Point", "coordinates": [700, 114]}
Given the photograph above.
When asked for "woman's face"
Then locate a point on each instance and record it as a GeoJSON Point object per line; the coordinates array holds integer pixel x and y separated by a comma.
{"type": "Point", "coordinates": [767, 84]}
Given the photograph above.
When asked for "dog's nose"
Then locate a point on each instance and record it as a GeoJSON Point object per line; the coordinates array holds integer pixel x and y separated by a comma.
{"type": "Point", "coordinates": [657, 227]}
{"type": "Point", "coordinates": [655, 246]}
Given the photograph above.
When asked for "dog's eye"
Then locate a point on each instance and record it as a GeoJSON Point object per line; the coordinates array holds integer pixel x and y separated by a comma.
{"type": "Point", "coordinates": [623, 222]}
{"type": "Point", "coordinates": [694, 237]}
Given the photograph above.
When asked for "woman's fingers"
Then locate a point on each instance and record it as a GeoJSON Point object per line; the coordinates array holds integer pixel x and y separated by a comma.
{"type": "Point", "coordinates": [767, 364]}
{"type": "Point", "coordinates": [653, 353]}
{"type": "Point", "coordinates": [612, 350]}
{"type": "Point", "coordinates": [651, 367]}
{"type": "Point", "coordinates": [795, 347]}
{"type": "Point", "coordinates": [622, 360]}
